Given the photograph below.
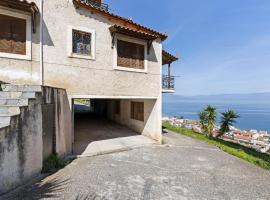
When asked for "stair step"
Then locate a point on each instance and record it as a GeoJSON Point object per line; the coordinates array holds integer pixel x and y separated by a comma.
{"type": "Point", "coordinates": [8, 115]}
{"type": "Point", "coordinates": [21, 88]}
{"type": "Point", "coordinates": [5, 119]}
{"type": "Point", "coordinates": [10, 95]}
{"type": "Point", "coordinates": [12, 110]}
{"type": "Point", "coordinates": [3, 125]}
{"type": "Point", "coordinates": [14, 102]}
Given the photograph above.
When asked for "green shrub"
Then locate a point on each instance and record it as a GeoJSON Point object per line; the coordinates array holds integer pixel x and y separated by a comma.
{"type": "Point", "coordinates": [251, 155]}
{"type": "Point", "coordinates": [52, 164]}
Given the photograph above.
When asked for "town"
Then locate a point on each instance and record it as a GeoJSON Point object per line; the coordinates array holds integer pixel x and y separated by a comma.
{"type": "Point", "coordinates": [259, 140]}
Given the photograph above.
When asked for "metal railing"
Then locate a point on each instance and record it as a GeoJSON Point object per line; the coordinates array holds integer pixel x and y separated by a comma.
{"type": "Point", "coordinates": [167, 82]}
{"type": "Point", "coordinates": [96, 4]}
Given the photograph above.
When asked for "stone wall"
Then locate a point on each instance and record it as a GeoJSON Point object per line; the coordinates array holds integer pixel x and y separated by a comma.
{"type": "Point", "coordinates": [21, 143]}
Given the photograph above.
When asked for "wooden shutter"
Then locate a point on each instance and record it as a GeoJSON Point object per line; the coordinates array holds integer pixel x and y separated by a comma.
{"type": "Point", "coordinates": [12, 35]}
{"type": "Point", "coordinates": [117, 107]}
{"type": "Point", "coordinates": [137, 111]}
{"type": "Point", "coordinates": [130, 55]}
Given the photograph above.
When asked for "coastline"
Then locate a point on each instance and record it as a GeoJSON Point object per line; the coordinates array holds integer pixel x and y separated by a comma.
{"type": "Point", "coordinates": [258, 140]}
{"type": "Point", "coordinates": [251, 116]}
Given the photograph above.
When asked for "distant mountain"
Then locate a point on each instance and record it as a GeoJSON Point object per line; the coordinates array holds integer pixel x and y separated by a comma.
{"type": "Point", "coordinates": [254, 98]}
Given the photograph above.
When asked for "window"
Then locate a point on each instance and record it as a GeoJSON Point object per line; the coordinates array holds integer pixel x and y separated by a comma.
{"type": "Point", "coordinates": [81, 43]}
{"type": "Point", "coordinates": [12, 35]}
{"type": "Point", "coordinates": [137, 111]}
{"type": "Point", "coordinates": [15, 35]}
{"type": "Point", "coordinates": [117, 108]}
{"type": "Point", "coordinates": [130, 55]}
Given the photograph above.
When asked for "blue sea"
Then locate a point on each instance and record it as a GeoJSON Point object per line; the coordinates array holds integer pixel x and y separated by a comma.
{"type": "Point", "coordinates": [251, 116]}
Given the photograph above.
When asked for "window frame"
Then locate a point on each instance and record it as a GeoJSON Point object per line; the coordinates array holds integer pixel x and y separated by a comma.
{"type": "Point", "coordinates": [131, 114]}
{"type": "Point", "coordinates": [131, 40]}
{"type": "Point", "coordinates": [117, 107]}
{"type": "Point", "coordinates": [28, 39]}
{"type": "Point", "coordinates": [70, 43]}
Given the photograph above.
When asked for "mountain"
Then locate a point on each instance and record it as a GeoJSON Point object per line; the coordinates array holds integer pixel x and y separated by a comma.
{"type": "Point", "coordinates": [253, 98]}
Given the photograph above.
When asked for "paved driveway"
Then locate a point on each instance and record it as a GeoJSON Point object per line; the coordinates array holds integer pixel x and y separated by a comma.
{"type": "Point", "coordinates": [182, 169]}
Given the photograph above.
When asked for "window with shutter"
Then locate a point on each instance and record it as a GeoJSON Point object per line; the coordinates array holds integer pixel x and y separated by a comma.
{"type": "Point", "coordinates": [117, 109]}
{"type": "Point", "coordinates": [12, 35]}
{"type": "Point", "coordinates": [137, 111]}
{"type": "Point", "coordinates": [130, 55]}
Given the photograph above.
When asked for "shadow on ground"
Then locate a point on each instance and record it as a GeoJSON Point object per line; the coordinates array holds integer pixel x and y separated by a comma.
{"type": "Point", "coordinates": [44, 189]}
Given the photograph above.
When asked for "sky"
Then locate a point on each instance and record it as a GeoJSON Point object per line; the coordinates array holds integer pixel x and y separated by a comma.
{"type": "Point", "coordinates": [224, 46]}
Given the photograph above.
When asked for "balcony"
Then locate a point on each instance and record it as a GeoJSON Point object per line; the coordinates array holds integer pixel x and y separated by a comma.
{"type": "Point", "coordinates": [97, 4]}
{"type": "Point", "coordinates": [168, 80]}
{"type": "Point", "coordinates": [168, 84]}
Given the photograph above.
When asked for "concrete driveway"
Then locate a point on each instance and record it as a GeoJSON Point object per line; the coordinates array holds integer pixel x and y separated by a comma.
{"type": "Point", "coordinates": [182, 169]}
{"type": "Point", "coordinates": [89, 129]}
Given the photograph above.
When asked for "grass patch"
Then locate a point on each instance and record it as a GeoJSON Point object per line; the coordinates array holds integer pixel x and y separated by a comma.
{"type": "Point", "coordinates": [251, 155]}
{"type": "Point", "coordinates": [52, 164]}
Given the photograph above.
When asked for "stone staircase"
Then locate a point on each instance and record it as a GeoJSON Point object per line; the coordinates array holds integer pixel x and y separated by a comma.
{"type": "Point", "coordinates": [13, 98]}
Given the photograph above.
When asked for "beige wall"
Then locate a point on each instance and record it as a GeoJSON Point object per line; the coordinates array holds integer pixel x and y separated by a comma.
{"type": "Point", "coordinates": [81, 76]}
{"type": "Point", "coordinates": [151, 126]}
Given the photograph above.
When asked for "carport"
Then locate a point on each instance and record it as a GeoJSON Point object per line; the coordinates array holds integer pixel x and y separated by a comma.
{"type": "Point", "coordinates": [101, 123]}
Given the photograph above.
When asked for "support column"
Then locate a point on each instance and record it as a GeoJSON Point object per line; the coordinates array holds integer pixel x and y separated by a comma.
{"type": "Point", "coordinates": [169, 75]}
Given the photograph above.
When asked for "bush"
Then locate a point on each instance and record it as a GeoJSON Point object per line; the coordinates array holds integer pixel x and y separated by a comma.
{"type": "Point", "coordinates": [251, 155]}
{"type": "Point", "coordinates": [52, 164]}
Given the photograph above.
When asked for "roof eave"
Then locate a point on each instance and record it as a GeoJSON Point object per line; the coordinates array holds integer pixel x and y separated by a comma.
{"type": "Point", "coordinates": [125, 22]}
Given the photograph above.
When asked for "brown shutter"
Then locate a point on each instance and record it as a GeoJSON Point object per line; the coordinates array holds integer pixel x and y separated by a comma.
{"type": "Point", "coordinates": [130, 55]}
{"type": "Point", "coordinates": [5, 34]}
{"type": "Point", "coordinates": [137, 111]}
{"type": "Point", "coordinates": [12, 35]}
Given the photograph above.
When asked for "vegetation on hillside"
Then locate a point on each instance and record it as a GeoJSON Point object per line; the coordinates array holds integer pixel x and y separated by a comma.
{"type": "Point", "coordinates": [228, 119]}
{"type": "Point", "coordinates": [208, 121]}
{"type": "Point", "coordinates": [248, 154]}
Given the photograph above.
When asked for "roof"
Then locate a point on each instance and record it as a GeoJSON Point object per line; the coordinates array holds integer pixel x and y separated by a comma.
{"type": "Point", "coordinates": [121, 21]}
{"type": "Point", "coordinates": [23, 5]}
{"type": "Point", "coordinates": [20, 4]}
{"type": "Point", "coordinates": [134, 33]}
{"type": "Point", "coordinates": [168, 58]}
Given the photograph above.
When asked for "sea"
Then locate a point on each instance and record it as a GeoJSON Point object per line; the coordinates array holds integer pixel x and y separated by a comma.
{"type": "Point", "coordinates": [251, 116]}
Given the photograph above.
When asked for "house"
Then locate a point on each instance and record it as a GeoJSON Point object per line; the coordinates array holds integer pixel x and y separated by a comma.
{"type": "Point", "coordinates": [54, 52]}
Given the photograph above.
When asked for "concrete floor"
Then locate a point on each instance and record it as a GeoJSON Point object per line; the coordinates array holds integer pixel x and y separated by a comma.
{"type": "Point", "coordinates": [90, 128]}
{"type": "Point", "coordinates": [184, 168]}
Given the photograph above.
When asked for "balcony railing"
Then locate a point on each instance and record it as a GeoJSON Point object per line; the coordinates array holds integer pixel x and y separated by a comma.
{"type": "Point", "coordinates": [168, 83]}
{"type": "Point", "coordinates": [96, 4]}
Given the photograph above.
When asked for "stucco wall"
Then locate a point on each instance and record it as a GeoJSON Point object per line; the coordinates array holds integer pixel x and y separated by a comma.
{"type": "Point", "coordinates": [151, 126]}
{"type": "Point", "coordinates": [21, 148]}
{"type": "Point", "coordinates": [62, 118]}
{"type": "Point", "coordinates": [81, 76]}
{"type": "Point", "coordinates": [21, 144]}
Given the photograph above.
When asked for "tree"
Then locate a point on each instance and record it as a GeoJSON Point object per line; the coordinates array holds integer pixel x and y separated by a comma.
{"type": "Point", "coordinates": [228, 119]}
{"type": "Point", "coordinates": [203, 121]}
{"type": "Point", "coordinates": [208, 120]}
{"type": "Point", "coordinates": [211, 123]}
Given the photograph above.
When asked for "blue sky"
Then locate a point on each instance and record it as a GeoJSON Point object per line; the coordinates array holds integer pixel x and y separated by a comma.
{"type": "Point", "coordinates": [224, 45]}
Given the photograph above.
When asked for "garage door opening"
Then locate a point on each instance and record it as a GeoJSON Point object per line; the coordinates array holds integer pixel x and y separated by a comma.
{"type": "Point", "coordinates": [98, 120]}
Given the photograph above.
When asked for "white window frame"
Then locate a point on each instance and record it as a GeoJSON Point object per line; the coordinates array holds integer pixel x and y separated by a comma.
{"type": "Point", "coordinates": [27, 17]}
{"type": "Point", "coordinates": [132, 40]}
{"type": "Point", "coordinates": [70, 41]}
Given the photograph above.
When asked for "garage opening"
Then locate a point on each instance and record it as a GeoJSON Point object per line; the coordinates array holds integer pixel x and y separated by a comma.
{"type": "Point", "coordinates": [103, 119]}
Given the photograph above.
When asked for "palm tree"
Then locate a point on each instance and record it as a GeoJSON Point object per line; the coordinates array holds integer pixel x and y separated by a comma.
{"type": "Point", "coordinates": [211, 123]}
{"type": "Point", "coordinates": [203, 121]}
{"type": "Point", "coordinates": [208, 120]}
{"type": "Point", "coordinates": [227, 120]}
